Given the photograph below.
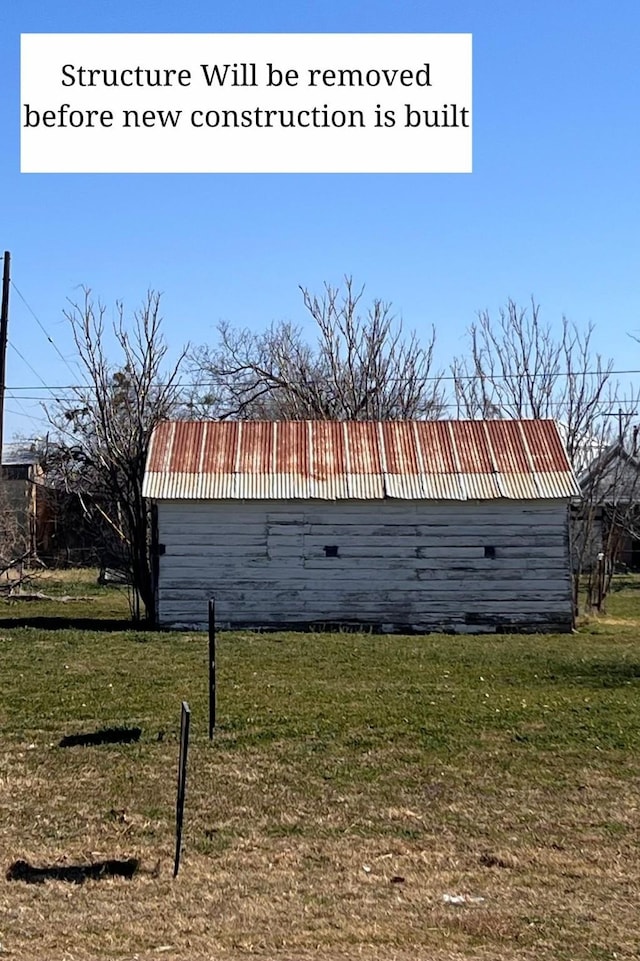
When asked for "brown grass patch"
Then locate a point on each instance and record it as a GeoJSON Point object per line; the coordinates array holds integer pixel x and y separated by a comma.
{"type": "Point", "coordinates": [503, 772]}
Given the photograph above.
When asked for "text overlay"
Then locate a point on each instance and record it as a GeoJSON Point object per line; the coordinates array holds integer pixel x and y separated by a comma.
{"type": "Point", "coordinates": [246, 103]}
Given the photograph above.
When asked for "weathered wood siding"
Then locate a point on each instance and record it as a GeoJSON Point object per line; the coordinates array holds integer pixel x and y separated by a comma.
{"type": "Point", "coordinates": [401, 566]}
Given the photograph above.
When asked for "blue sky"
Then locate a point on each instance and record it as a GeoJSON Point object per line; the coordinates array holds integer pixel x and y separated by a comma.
{"type": "Point", "coordinates": [551, 209]}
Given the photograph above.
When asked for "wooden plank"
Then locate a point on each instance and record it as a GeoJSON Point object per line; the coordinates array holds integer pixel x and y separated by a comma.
{"type": "Point", "coordinates": [296, 578]}
{"type": "Point", "coordinates": [353, 603]}
{"type": "Point", "coordinates": [324, 508]}
{"type": "Point", "coordinates": [497, 537]}
{"type": "Point", "coordinates": [251, 556]}
{"type": "Point", "coordinates": [454, 566]}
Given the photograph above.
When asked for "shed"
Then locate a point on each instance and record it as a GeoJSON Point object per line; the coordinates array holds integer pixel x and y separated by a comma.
{"type": "Point", "coordinates": [21, 501]}
{"type": "Point", "coordinates": [606, 521]}
{"type": "Point", "coordinates": [396, 526]}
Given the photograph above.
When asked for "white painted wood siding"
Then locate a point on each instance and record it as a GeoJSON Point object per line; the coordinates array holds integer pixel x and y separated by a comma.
{"type": "Point", "coordinates": [401, 566]}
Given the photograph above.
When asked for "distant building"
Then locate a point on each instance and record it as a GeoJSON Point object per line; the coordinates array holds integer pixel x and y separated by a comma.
{"type": "Point", "coordinates": [401, 526]}
{"type": "Point", "coordinates": [607, 519]}
{"type": "Point", "coordinates": [21, 490]}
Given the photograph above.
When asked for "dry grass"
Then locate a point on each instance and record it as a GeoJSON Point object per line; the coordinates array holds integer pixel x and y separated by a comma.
{"type": "Point", "coordinates": [353, 783]}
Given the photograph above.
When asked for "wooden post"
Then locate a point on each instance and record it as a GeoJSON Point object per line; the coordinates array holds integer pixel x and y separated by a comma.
{"type": "Point", "coordinates": [212, 667]}
{"type": "Point", "coordinates": [4, 328]}
{"type": "Point", "coordinates": [185, 719]}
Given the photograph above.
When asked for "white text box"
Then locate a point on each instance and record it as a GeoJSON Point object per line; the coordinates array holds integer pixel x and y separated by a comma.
{"type": "Point", "coordinates": [246, 103]}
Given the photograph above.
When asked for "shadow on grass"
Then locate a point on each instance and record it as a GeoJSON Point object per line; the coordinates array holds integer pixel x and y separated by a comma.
{"type": "Point", "coordinates": [598, 673]}
{"type": "Point", "coordinates": [75, 623]}
{"type": "Point", "coordinates": [108, 735]}
{"type": "Point", "coordinates": [72, 873]}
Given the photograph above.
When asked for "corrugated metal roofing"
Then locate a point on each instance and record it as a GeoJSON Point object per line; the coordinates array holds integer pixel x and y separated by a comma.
{"type": "Point", "coordinates": [22, 452]}
{"type": "Point", "coordinates": [408, 460]}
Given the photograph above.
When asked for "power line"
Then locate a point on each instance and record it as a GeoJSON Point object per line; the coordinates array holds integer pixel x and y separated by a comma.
{"type": "Point", "coordinates": [26, 362]}
{"type": "Point", "coordinates": [609, 405]}
{"type": "Point", "coordinates": [44, 330]}
{"type": "Point", "coordinates": [23, 413]}
{"type": "Point", "coordinates": [222, 380]}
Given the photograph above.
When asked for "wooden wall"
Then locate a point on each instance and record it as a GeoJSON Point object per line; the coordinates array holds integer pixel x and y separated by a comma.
{"type": "Point", "coordinates": [401, 565]}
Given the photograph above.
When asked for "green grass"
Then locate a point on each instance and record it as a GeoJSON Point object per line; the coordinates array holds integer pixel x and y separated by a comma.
{"type": "Point", "coordinates": [66, 594]}
{"type": "Point", "coordinates": [505, 768]}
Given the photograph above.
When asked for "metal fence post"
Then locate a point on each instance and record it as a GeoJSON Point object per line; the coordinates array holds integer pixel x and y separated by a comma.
{"type": "Point", "coordinates": [212, 667]}
{"type": "Point", "coordinates": [185, 720]}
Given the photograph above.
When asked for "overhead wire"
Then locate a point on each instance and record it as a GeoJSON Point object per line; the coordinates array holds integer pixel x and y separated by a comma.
{"type": "Point", "coordinates": [221, 379]}
{"type": "Point", "coordinates": [27, 364]}
{"type": "Point", "coordinates": [23, 413]}
{"type": "Point", "coordinates": [212, 381]}
{"type": "Point", "coordinates": [611, 405]}
{"type": "Point", "coordinates": [43, 329]}
{"type": "Point", "coordinates": [49, 388]}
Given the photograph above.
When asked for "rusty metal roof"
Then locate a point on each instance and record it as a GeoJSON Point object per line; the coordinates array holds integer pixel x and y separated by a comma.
{"type": "Point", "coordinates": [408, 460]}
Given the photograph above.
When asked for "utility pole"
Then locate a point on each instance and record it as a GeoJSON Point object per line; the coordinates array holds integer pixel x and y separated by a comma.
{"type": "Point", "coordinates": [4, 329]}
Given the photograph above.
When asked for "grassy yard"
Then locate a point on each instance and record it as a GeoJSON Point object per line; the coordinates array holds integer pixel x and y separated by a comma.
{"type": "Point", "coordinates": [355, 785]}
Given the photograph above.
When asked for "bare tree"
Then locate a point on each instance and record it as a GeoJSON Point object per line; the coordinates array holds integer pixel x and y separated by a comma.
{"type": "Point", "coordinates": [518, 366]}
{"type": "Point", "coordinates": [362, 366]}
{"type": "Point", "coordinates": [103, 431]}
